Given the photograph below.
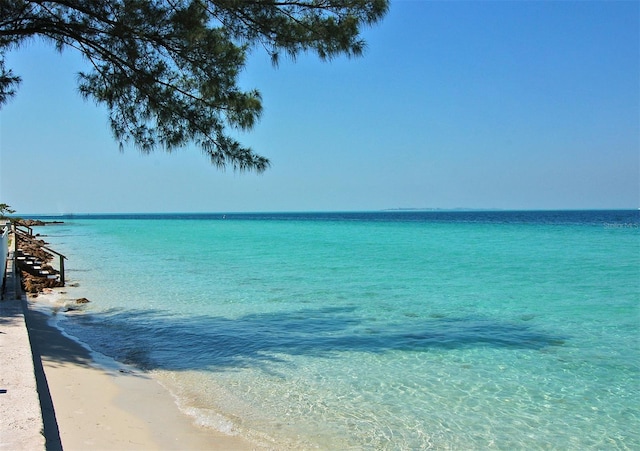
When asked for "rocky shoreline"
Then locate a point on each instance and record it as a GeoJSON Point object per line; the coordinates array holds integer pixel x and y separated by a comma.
{"type": "Point", "coordinates": [34, 282]}
{"type": "Point", "coordinates": [36, 222]}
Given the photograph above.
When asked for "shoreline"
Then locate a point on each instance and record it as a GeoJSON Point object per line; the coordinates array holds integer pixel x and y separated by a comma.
{"type": "Point", "coordinates": [103, 407]}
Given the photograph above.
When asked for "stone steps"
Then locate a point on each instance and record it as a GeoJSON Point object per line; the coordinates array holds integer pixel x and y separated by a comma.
{"type": "Point", "coordinates": [34, 266]}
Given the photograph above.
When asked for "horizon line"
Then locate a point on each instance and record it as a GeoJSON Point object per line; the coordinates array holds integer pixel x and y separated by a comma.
{"type": "Point", "coordinates": [385, 210]}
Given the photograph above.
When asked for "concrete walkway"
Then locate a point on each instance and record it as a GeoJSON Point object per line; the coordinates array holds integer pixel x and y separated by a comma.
{"type": "Point", "coordinates": [21, 420]}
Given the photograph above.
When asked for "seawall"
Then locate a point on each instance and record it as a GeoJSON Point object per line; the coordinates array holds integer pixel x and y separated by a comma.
{"type": "Point", "coordinates": [21, 419]}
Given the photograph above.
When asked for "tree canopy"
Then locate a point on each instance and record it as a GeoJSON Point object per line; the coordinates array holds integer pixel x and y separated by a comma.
{"type": "Point", "coordinates": [5, 210]}
{"type": "Point", "coordinates": [167, 70]}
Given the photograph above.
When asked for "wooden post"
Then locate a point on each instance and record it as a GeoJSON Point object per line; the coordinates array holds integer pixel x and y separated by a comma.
{"type": "Point", "coordinates": [62, 270]}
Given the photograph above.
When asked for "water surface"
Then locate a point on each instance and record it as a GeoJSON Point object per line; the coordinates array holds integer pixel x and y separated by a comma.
{"type": "Point", "coordinates": [388, 330]}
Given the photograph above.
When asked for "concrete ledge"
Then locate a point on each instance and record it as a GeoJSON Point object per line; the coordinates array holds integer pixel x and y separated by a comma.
{"type": "Point", "coordinates": [21, 422]}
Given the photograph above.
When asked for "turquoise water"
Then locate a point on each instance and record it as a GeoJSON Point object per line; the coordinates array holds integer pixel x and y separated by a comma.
{"type": "Point", "coordinates": [400, 330]}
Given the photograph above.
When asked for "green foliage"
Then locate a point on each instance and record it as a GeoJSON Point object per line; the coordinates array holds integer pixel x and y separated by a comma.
{"type": "Point", "coordinates": [167, 69]}
{"type": "Point", "coordinates": [5, 210]}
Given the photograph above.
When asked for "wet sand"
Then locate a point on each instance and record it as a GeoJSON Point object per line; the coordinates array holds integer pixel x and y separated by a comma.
{"type": "Point", "coordinates": [88, 406]}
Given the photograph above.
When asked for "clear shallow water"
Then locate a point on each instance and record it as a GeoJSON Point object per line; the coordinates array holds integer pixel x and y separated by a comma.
{"type": "Point", "coordinates": [395, 330]}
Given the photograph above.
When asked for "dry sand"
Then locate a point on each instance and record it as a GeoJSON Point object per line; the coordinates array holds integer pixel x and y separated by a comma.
{"type": "Point", "coordinates": [97, 408]}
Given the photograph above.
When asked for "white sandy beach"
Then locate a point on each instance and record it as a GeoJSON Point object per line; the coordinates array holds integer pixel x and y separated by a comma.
{"type": "Point", "coordinates": [97, 407]}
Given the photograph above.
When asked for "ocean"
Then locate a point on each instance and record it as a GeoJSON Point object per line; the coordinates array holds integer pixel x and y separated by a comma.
{"type": "Point", "coordinates": [394, 330]}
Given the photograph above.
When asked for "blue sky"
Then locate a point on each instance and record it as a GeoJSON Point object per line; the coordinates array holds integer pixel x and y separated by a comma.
{"type": "Point", "coordinates": [511, 105]}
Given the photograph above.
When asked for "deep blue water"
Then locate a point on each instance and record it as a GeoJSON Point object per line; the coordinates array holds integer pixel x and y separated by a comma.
{"type": "Point", "coordinates": [630, 218]}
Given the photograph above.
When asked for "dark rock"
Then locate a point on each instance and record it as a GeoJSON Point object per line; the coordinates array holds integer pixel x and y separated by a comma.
{"type": "Point", "coordinates": [30, 222]}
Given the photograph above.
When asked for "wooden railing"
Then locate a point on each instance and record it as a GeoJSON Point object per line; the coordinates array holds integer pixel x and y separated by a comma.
{"type": "Point", "coordinates": [28, 235]}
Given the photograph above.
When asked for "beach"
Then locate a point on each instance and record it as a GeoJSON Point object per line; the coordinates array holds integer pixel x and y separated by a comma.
{"type": "Point", "coordinates": [107, 407]}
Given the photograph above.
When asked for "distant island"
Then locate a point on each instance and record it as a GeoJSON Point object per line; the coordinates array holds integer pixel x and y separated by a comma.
{"type": "Point", "coordinates": [440, 209]}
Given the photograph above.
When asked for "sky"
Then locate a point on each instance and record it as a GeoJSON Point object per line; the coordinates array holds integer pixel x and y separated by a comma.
{"type": "Point", "coordinates": [484, 105]}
